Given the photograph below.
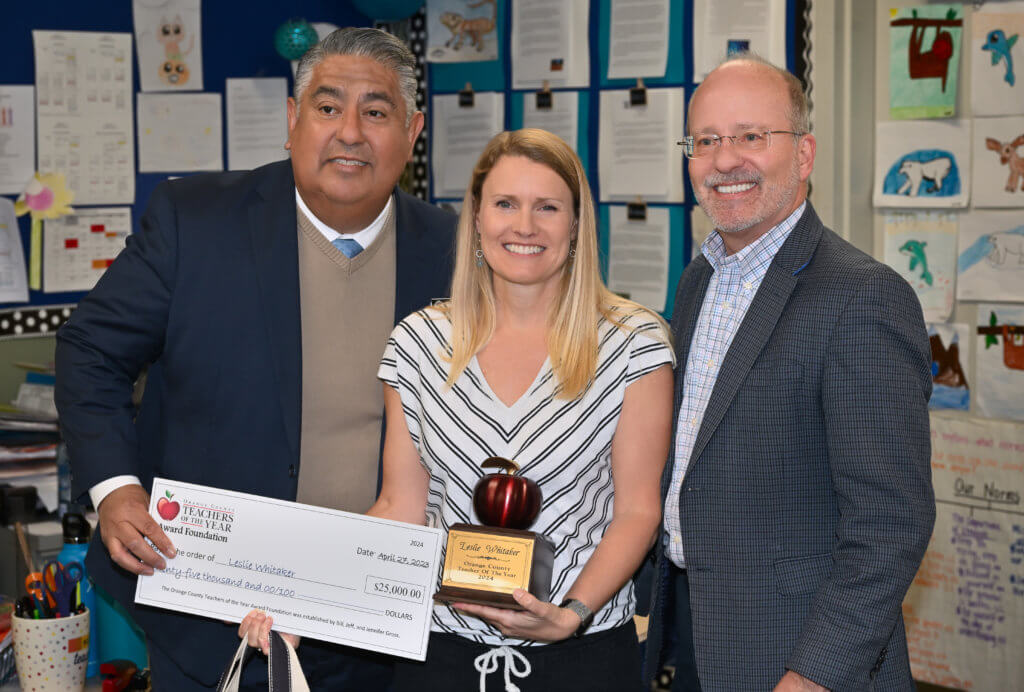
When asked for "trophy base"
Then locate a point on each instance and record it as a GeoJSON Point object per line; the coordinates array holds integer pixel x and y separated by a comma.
{"type": "Point", "coordinates": [484, 564]}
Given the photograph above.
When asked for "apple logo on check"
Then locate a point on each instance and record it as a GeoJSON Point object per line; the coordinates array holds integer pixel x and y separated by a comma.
{"type": "Point", "coordinates": [167, 509]}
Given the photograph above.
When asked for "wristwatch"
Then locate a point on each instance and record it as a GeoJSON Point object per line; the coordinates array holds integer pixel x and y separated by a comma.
{"type": "Point", "coordinates": [580, 608]}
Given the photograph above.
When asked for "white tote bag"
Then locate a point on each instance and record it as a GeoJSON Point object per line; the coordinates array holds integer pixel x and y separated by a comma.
{"type": "Point", "coordinates": [285, 673]}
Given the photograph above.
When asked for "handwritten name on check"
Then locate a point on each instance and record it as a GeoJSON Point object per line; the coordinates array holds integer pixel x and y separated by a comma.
{"type": "Point", "coordinates": [321, 573]}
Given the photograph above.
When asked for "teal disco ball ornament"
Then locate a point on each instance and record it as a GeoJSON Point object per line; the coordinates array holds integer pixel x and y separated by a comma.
{"type": "Point", "coordinates": [388, 10]}
{"type": "Point", "coordinates": [293, 38]}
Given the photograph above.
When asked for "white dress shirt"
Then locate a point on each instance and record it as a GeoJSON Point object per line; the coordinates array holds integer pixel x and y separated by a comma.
{"type": "Point", "coordinates": [730, 292]}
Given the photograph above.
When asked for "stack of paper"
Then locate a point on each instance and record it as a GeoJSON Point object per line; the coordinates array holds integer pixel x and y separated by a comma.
{"type": "Point", "coordinates": [28, 453]}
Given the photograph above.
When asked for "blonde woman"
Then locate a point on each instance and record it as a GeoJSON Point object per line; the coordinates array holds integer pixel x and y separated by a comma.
{"type": "Point", "coordinates": [532, 359]}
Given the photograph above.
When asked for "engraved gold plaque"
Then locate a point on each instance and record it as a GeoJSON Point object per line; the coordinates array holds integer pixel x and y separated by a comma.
{"type": "Point", "coordinates": [495, 563]}
{"type": "Point", "coordinates": [485, 564]}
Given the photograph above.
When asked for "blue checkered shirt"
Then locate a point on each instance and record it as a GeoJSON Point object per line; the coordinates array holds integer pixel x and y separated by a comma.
{"type": "Point", "coordinates": [731, 289]}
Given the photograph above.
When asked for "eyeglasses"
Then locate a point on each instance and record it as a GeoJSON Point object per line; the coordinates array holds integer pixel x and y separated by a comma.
{"type": "Point", "coordinates": [696, 146]}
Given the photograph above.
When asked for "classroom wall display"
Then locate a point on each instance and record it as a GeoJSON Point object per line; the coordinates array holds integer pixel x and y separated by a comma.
{"type": "Point", "coordinates": [998, 162]}
{"type": "Point", "coordinates": [924, 60]}
{"type": "Point", "coordinates": [997, 58]}
{"type": "Point", "coordinates": [550, 43]}
{"type": "Point", "coordinates": [990, 265]}
{"type": "Point", "coordinates": [13, 274]}
{"type": "Point", "coordinates": [78, 247]}
{"type": "Point", "coordinates": [999, 361]}
{"type": "Point", "coordinates": [180, 133]}
{"type": "Point", "coordinates": [462, 30]}
{"type": "Point", "coordinates": [727, 27]}
{"type": "Point", "coordinates": [17, 137]}
{"type": "Point", "coordinates": [951, 348]}
{"type": "Point", "coordinates": [922, 164]}
{"type": "Point", "coordinates": [964, 611]}
{"type": "Point", "coordinates": [637, 151]}
{"type": "Point", "coordinates": [84, 113]}
{"type": "Point", "coordinates": [643, 33]}
{"type": "Point", "coordinates": [95, 144]}
{"type": "Point", "coordinates": [169, 44]}
{"type": "Point", "coordinates": [567, 115]}
{"type": "Point", "coordinates": [921, 247]}
{"type": "Point", "coordinates": [459, 134]}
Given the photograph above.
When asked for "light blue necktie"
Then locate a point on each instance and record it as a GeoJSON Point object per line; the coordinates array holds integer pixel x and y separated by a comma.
{"type": "Point", "coordinates": [348, 247]}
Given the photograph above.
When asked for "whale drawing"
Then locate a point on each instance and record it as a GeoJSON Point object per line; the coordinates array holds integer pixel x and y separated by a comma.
{"type": "Point", "coordinates": [1000, 46]}
{"type": "Point", "coordinates": [915, 250]}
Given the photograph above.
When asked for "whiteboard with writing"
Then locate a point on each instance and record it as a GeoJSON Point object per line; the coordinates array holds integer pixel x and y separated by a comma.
{"type": "Point", "coordinates": [965, 609]}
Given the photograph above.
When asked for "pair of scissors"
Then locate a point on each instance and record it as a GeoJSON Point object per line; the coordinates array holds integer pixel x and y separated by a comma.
{"type": "Point", "coordinates": [37, 590]}
{"type": "Point", "coordinates": [61, 584]}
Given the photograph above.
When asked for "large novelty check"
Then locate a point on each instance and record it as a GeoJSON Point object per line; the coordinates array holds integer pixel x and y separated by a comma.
{"type": "Point", "coordinates": [321, 573]}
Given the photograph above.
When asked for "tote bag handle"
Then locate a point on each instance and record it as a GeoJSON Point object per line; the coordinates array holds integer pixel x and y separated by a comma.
{"type": "Point", "coordinates": [285, 673]}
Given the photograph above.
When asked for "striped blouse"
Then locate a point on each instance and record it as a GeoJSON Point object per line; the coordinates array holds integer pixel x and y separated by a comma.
{"type": "Point", "coordinates": [565, 446]}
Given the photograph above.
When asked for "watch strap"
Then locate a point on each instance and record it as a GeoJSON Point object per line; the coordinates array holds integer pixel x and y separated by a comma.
{"type": "Point", "coordinates": [581, 609]}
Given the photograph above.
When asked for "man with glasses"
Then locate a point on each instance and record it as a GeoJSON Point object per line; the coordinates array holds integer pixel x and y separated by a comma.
{"type": "Point", "coordinates": [798, 500]}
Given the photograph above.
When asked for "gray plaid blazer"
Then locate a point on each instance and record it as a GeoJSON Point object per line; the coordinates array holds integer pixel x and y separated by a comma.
{"type": "Point", "coordinates": [808, 503]}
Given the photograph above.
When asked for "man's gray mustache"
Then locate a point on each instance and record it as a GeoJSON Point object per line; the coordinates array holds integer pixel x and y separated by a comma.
{"type": "Point", "coordinates": [732, 177]}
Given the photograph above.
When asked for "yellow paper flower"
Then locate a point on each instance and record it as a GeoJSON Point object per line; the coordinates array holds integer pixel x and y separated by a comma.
{"type": "Point", "coordinates": [46, 197]}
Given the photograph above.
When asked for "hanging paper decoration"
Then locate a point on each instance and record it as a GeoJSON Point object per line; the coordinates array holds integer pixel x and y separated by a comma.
{"type": "Point", "coordinates": [293, 38]}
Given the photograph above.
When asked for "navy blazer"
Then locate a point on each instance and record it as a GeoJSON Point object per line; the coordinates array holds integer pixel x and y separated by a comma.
{"type": "Point", "coordinates": [208, 293]}
{"type": "Point", "coordinates": [807, 504]}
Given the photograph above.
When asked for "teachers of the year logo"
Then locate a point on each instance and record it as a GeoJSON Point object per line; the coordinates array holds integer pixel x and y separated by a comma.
{"type": "Point", "coordinates": [207, 521]}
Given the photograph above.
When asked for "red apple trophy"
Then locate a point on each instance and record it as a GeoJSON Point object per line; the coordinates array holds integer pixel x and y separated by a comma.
{"type": "Point", "coordinates": [485, 564]}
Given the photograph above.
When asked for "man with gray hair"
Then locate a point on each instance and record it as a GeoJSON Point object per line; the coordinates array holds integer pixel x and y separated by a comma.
{"type": "Point", "coordinates": [798, 498]}
{"type": "Point", "coordinates": [262, 301]}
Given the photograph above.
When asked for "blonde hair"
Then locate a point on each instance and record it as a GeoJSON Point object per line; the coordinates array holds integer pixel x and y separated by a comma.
{"type": "Point", "coordinates": [572, 337]}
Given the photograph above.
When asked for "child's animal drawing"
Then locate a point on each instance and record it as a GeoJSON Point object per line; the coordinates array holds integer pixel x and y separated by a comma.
{"type": "Point", "coordinates": [946, 368]}
{"type": "Point", "coordinates": [995, 248]}
{"type": "Point", "coordinates": [934, 62]}
{"type": "Point", "coordinates": [1008, 156]}
{"type": "Point", "coordinates": [915, 250]}
{"type": "Point", "coordinates": [173, 70]}
{"type": "Point", "coordinates": [934, 171]}
{"type": "Point", "coordinates": [1013, 341]}
{"type": "Point", "coordinates": [1000, 46]}
{"type": "Point", "coordinates": [171, 34]}
{"type": "Point", "coordinates": [474, 27]}
{"type": "Point", "coordinates": [1003, 244]}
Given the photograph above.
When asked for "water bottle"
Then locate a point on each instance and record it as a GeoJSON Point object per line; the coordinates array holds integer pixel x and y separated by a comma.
{"type": "Point", "coordinates": [76, 544]}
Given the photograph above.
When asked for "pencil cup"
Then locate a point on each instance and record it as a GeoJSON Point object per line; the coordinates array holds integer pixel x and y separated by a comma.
{"type": "Point", "coordinates": [51, 654]}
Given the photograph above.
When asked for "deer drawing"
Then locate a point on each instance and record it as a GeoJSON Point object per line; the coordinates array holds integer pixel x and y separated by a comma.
{"type": "Point", "coordinates": [1008, 156]}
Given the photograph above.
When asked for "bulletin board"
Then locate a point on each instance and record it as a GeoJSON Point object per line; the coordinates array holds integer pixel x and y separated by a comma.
{"type": "Point", "coordinates": [943, 87]}
{"type": "Point", "coordinates": [496, 76]}
{"type": "Point", "coordinates": [236, 42]}
{"type": "Point", "coordinates": [226, 56]}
